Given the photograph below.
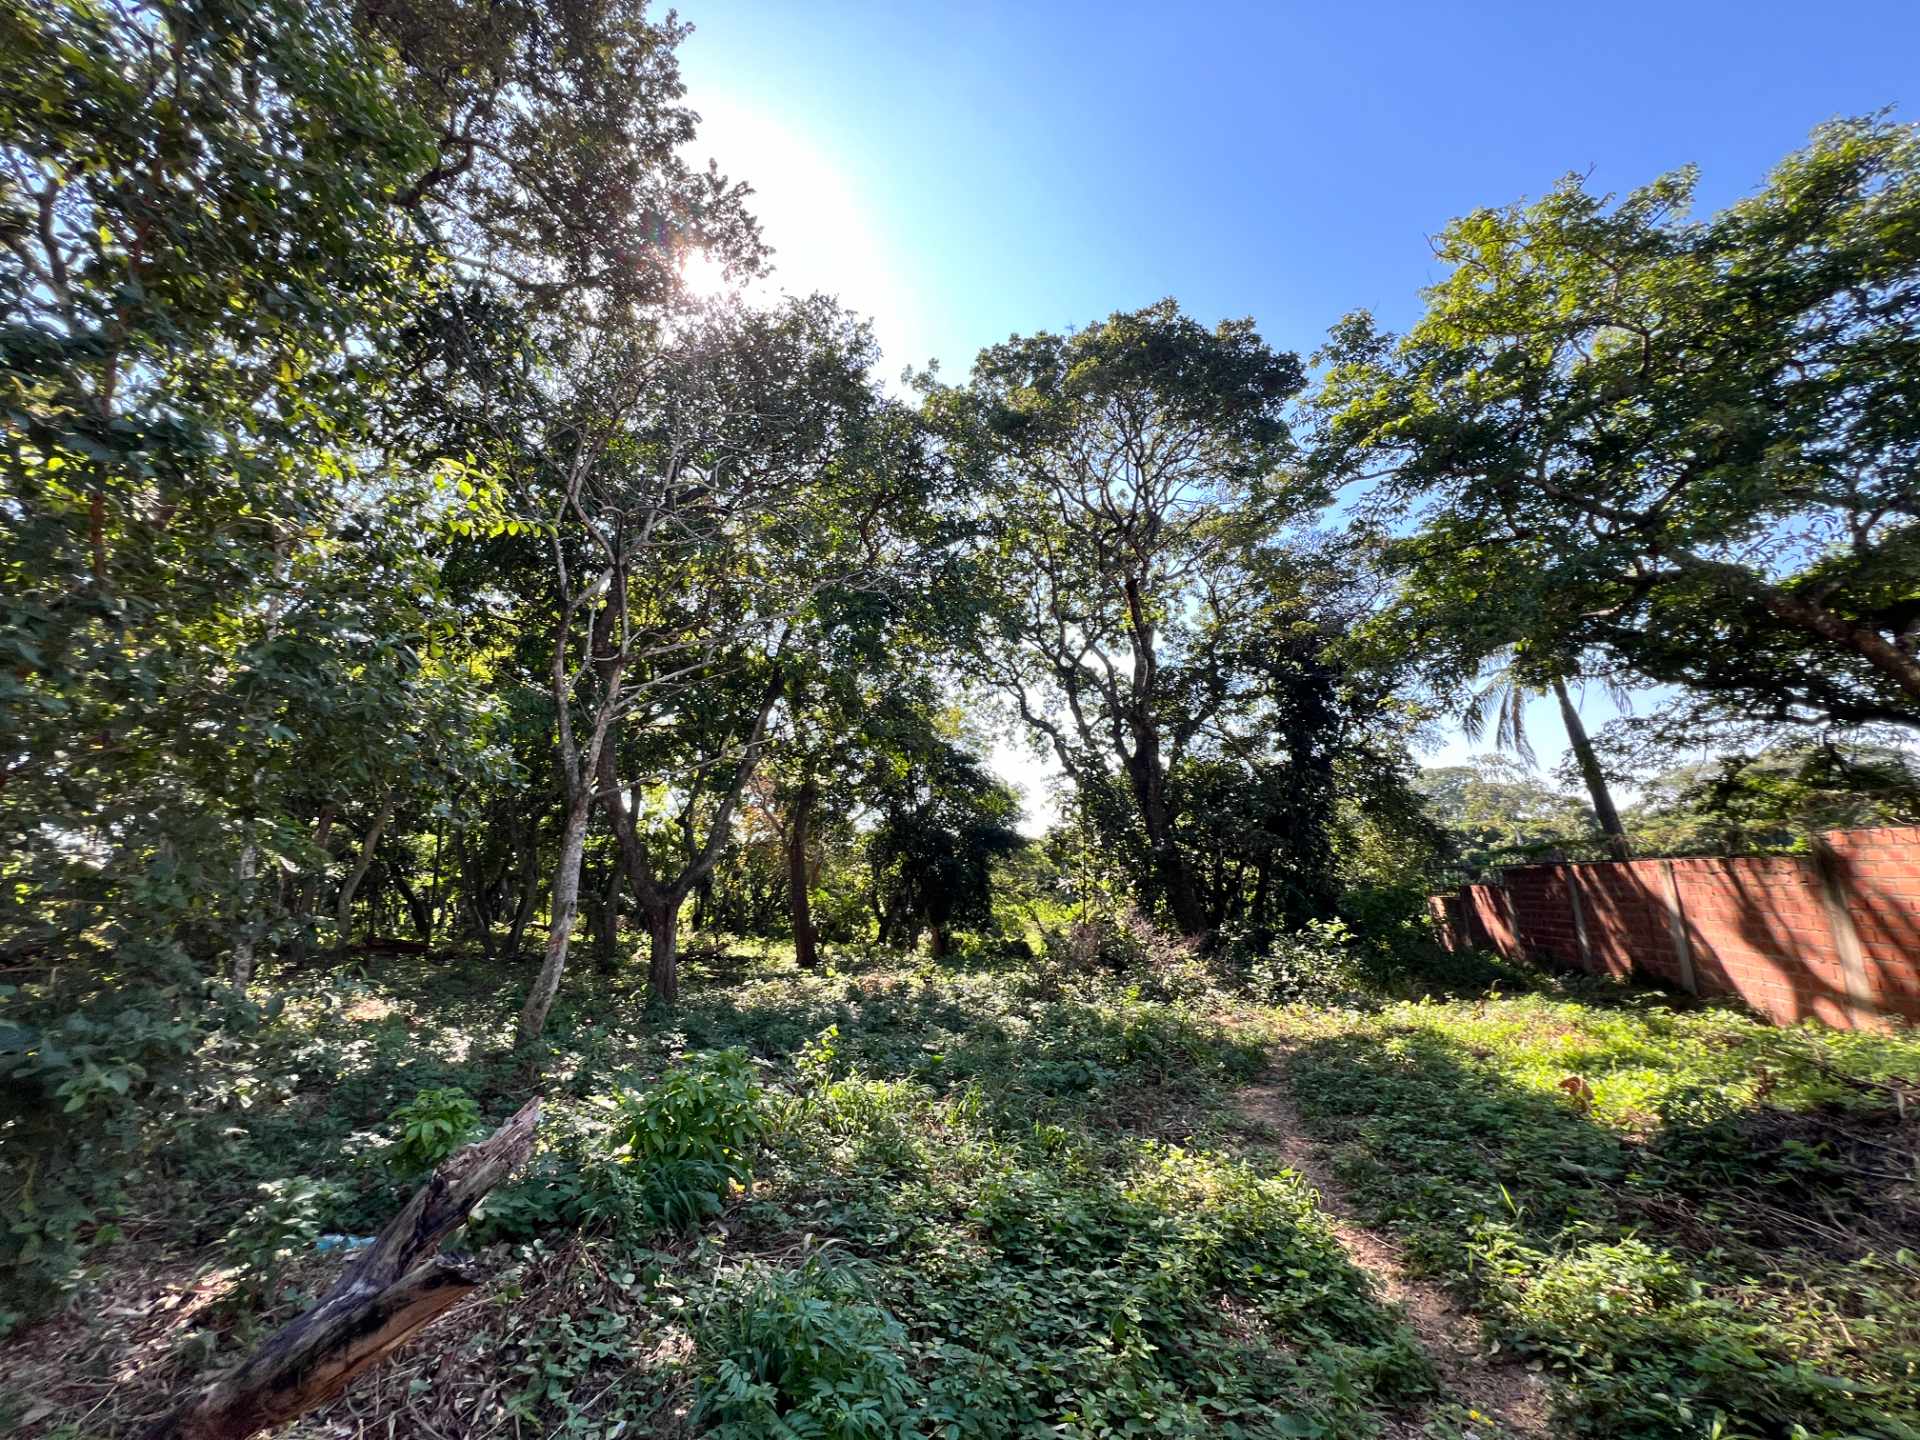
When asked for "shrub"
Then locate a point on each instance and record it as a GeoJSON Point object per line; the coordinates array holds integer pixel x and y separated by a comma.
{"type": "Point", "coordinates": [432, 1125]}
{"type": "Point", "coordinates": [803, 1353]}
{"type": "Point", "coordinates": [1127, 944]}
{"type": "Point", "coordinates": [1316, 963]}
{"type": "Point", "coordinates": [693, 1134]}
{"type": "Point", "coordinates": [668, 1159]}
{"type": "Point", "coordinates": [280, 1227]}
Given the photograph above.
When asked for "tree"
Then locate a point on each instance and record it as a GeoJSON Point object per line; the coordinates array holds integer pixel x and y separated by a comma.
{"type": "Point", "coordinates": [943, 823]}
{"type": "Point", "coordinates": [1129, 470]}
{"type": "Point", "coordinates": [1506, 693]}
{"type": "Point", "coordinates": [707, 492]}
{"type": "Point", "coordinates": [556, 179]}
{"type": "Point", "coordinates": [1498, 814]}
{"type": "Point", "coordinates": [1690, 446]}
{"type": "Point", "coordinates": [201, 259]}
{"type": "Point", "coordinates": [1771, 801]}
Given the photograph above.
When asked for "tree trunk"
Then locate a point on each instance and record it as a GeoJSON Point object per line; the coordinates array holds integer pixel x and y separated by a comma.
{"type": "Point", "coordinates": [606, 920]}
{"type": "Point", "coordinates": [472, 885]}
{"type": "Point", "coordinates": [937, 941]}
{"type": "Point", "coordinates": [566, 906]}
{"type": "Point", "coordinates": [358, 873]}
{"type": "Point", "coordinates": [433, 887]}
{"type": "Point", "coordinates": [309, 887]}
{"type": "Point", "coordinates": [529, 893]}
{"type": "Point", "coordinates": [805, 950]}
{"type": "Point", "coordinates": [416, 907]}
{"type": "Point", "coordinates": [385, 1295]}
{"type": "Point", "coordinates": [663, 961]}
{"type": "Point", "coordinates": [482, 921]}
{"type": "Point", "coordinates": [1590, 771]}
{"type": "Point", "coordinates": [249, 923]}
{"type": "Point", "coordinates": [1169, 864]}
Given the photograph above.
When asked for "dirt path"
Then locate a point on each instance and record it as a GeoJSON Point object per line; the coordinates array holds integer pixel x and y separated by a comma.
{"type": "Point", "coordinates": [1512, 1397]}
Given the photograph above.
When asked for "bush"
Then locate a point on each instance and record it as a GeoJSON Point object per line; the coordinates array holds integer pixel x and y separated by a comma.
{"type": "Point", "coordinates": [667, 1161]}
{"type": "Point", "coordinates": [432, 1125]}
{"type": "Point", "coordinates": [693, 1134]}
{"type": "Point", "coordinates": [1317, 963]}
{"type": "Point", "coordinates": [803, 1353]}
{"type": "Point", "coordinates": [1128, 945]}
{"type": "Point", "coordinates": [282, 1226]}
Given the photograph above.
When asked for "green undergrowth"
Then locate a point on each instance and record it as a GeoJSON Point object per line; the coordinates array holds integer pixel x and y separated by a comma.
{"type": "Point", "coordinates": [1011, 1196]}
{"type": "Point", "coordinates": [1699, 1224]}
{"type": "Point", "coordinates": [887, 1199]}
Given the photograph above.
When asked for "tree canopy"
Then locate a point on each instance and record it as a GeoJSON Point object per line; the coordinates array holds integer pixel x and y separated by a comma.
{"type": "Point", "coordinates": [401, 560]}
{"type": "Point", "coordinates": [1686, 445]}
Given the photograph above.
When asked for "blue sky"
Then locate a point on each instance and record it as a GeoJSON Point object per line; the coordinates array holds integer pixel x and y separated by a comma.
{"type": "Point", "coordinates": [967, 172]}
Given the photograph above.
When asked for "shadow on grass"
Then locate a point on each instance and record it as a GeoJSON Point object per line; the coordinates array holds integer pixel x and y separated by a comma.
{"type": "Point", "coordinates": [1668, 1279]}
{"type": "Point", "coordinates": [1047, 1270]}
{"type": "Point", "coordinates": [1058, 1278]}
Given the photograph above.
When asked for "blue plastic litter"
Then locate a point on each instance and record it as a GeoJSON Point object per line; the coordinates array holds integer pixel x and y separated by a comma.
{"type": "Point", "coordinates": [327, 1243]}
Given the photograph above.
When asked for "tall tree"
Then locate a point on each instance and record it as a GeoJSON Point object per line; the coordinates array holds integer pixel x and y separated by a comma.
{"type": "Point", "coordinates": [699, 513]}
{"type": "Point", "coordinates": [212, 594]}
{"type": "Point", "coordinates": [1691, 446]}
{"type": "Point", "coordinates": [1128, 470]}
{"type": "Point", "coordinates": [941, 824]}
{"type": "Point", "coordinates": [1505, 693]}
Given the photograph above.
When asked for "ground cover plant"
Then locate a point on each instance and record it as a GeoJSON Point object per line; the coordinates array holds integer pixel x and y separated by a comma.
{"type": "Point", "coordinates": [1698, 1223]}
{"type": "Point", "coordinates": [988, 1196]}
{"type": "Point", "coordinates": [891, 1199]}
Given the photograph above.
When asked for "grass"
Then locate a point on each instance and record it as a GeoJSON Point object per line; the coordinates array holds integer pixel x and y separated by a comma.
{"type": "Point", "coordinates": [989, 1199]}
{"type": "Point", "coordinates": [1698, 1224]}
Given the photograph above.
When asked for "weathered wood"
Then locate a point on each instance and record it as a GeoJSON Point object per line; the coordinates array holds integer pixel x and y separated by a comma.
{"type": "Point", "coordinates": [385, 1295]}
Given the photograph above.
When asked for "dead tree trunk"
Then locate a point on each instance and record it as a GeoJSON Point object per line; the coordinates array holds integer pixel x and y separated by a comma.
{"type": "Point", "coordinates": [385, 1295]}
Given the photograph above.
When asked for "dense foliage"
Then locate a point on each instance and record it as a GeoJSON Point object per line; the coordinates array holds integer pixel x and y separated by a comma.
{"type": "Point", "coordinates": [409, 581]}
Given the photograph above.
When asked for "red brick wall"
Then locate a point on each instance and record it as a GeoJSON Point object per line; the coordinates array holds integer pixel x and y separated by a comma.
{"type": "Point", "coordinates": [1758, 926]}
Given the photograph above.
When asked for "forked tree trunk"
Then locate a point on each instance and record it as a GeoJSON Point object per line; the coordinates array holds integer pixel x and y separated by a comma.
{"type": "Point", "coordinates": [1591, 772]}
{"type": "Point", "coordinates": [385, 1296]}
{"type": "Point", "coordinates": [566, 908]}
{"type": "Point", "coordinates": [805, 948]}
{"type": "Point", "coordinates": [659, 902]}
{"type": "Point", "coordinates": [359, 870]}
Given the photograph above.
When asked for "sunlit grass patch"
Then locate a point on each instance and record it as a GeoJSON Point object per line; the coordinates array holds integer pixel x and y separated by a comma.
{"type": "Point", "coordinates": [1691, 1218]}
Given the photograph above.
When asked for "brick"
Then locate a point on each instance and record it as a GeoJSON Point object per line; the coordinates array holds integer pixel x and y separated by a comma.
{"type": "Point", "coordinates": [1757, 926]}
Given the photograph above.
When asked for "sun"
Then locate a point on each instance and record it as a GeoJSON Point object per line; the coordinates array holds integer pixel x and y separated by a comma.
{"type": "Point", "coordinates": [704, 276]}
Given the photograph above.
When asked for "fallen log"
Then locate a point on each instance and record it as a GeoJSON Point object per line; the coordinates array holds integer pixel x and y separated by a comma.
{"type": "Point", "coordinates": [386, 1294]}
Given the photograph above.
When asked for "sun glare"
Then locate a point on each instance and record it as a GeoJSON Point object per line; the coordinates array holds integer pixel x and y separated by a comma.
{"type": "Point", "coordinates": [704, 276]}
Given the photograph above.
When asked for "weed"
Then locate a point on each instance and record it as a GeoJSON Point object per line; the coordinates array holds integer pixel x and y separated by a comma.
{"type": "Point", "coordinates": [431, 1126]}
